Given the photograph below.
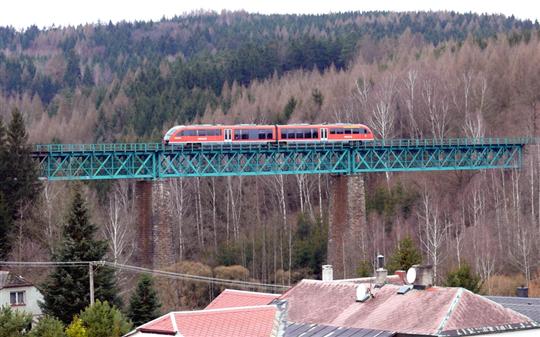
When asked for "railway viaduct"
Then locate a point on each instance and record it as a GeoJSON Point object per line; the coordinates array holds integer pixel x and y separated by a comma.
{"type": "Point", "coordinates": [152, 163]}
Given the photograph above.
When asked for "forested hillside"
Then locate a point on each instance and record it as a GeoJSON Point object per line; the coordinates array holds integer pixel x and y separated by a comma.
{"type": "Point", "coordinates": [407, 75]}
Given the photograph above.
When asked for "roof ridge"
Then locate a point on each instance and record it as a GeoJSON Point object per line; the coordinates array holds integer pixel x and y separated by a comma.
{"type": "Point", "coordinates": [173, 321]}
{"type": "Point", "coordinates": [228, 309]}
{"type": "Point", "coordinates": [248, 292]}
{"type": "Point", "coordinates": [450, 310]}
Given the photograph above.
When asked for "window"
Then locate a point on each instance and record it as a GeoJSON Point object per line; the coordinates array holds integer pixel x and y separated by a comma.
{"type": "Point", "coordinates": [356, 131]}
{"type": "Point", "coordinates": [336, 131]}
{"type": "Point", "coordinates": [16, 298]}
{"type": "Point", "coordinates": [252, 134]}
{"type": "Point", "coordinates": [347, 131]}
{"type": "Point", "coordinates": [189, 133]}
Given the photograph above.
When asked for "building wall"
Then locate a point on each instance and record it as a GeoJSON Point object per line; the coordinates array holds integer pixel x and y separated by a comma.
{"type": "Point", "coordinates": [32, 297]}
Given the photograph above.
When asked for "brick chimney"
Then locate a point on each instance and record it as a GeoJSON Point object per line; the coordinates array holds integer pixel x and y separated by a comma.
{"type": "Point", "coordinates": [402, 275]}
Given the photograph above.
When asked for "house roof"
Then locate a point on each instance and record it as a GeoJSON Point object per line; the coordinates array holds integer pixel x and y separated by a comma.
{"type": "Point", "coordinates": [528, 306]}
{"type": "Point", "coordinates": [10, 280]}
{"type": "Point", "coordinates": [238, 298]}
{"type": "Point", "coordinates": [253, 321]}
{"type": "Point", "coordinates": [318, 330]}
{"type": "Point", "coordinates": [430, 311]}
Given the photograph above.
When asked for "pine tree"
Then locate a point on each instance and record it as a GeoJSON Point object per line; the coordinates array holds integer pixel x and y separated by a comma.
{"type": "Point", "coordinates": [88, 79]}
{"type": "Point", "coordinates": [104, 320]}
{"type": "Point", "coordinates": [144, 303]}
{"type": "Point", "coordinates": [14, 323]}
{"type": "Point", "coordinates": [3, 145]}
{"type": "Point", "coordinates": [66, 291]}
{"type": "Point", "coordinates": [21, 185]}
{"type": "Point", "coordinates": [5, 228]}
{"type": "Point", "coordinates": [465, 278]}
{"type": "Point", "coordinates": [48, 327]}
{"type": "Point", "coordinates": [405, 256]}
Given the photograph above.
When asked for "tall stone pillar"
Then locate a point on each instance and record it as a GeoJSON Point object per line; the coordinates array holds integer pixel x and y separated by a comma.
{"type": "Point", "coordinates": [145, 247]}
{"type": "Point", "coordinates": [347, 218]}
{"type": "Point", "coordinates": [155, 248]}
{"type": "Point", "coordinates": [162, 223]}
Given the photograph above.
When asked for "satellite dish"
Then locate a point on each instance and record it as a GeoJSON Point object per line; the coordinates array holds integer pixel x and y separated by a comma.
{"type": "Point", "coordinates": [411, 275]}
{"type": "Point", "coordinates": [361, 293]}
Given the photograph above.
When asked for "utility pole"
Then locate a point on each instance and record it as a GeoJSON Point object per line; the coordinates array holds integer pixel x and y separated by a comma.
{"type": "Point", "coordinates": [91, 276]}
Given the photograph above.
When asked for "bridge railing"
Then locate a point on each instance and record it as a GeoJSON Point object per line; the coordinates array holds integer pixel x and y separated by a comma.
{"type": "Point", "coordinates": [151, 147]}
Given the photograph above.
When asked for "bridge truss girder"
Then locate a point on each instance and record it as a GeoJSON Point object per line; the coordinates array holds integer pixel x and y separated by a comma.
{"type": "Point", "coordinates": [154, 161]}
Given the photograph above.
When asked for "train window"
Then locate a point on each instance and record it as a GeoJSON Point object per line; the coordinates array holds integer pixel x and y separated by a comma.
{"type": "Point", "coordinates": [356, 131]}
{"type": "Point", "coordinates": [339, 131]}
{"type": "Point", "coordinates": [314, 134]}
{"type": "Point", "coordinates": [189, 133]}
{"type": "Point", "coordinates": [366, 131]}
{"type": "Point", "coordinates": [347, 131]}
{"type": "Point", "coordinates": [332, 131]}
{"type": "Point", "coordinates": [265, 134]}
{"type": "Point", "coordinates": [201, 133]}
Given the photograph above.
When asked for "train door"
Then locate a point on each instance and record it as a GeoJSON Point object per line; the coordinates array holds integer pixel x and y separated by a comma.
{"type": "Point", "coordinates": [324, 134]}
{"type": "Point", "coordinates": [228, 135]}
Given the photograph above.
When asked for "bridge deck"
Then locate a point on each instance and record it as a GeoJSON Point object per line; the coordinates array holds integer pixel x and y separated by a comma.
{"type": "Point", "coordinates": [155, 160]}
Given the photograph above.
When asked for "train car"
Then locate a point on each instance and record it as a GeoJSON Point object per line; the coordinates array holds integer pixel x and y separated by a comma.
{"type": "Point", "coordinates": [251, 133]}
{"type": "Point", "coordinates": [350, 133]}
{"type": "Point", "coordinates": [198, 134]}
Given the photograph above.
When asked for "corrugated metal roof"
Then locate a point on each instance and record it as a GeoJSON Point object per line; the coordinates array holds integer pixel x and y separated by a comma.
{"type": "Point", "coordinates": [528, 306]}
{"type": "Point", "coordinates": [316, 330]}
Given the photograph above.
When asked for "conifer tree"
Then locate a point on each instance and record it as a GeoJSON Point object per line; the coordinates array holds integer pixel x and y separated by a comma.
{"type": "Point", "coordinates": [21, 184]}
{"type": "Point", "coordinates": [465, 278]}
{"type": "Point", "coordinates": [66, 291]}
{"type": "Point", "coordinates": [144, 303]}
{"type": "Point", "coordinates": [405, 256]}
{"type": "Point", "coordinates": [104, 320]}
{"type": "Point", "coordinates": [5, 228]}
{"type": "Point", "coordinates": [48, 327]}
{"type": "Point", "coordinates": [14, 323]}
{"type": "Point", "coordinates": [3, 146]}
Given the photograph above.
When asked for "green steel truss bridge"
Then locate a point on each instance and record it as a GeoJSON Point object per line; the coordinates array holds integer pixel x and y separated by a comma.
{"type": "Point", "coordinates": [155, 160]}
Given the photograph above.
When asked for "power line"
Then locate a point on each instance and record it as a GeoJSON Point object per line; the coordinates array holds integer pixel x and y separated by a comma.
{"type": "Point", "coordinates": [162, 273]}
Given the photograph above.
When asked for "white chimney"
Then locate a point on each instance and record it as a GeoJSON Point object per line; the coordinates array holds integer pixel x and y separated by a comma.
{"type": "Point", "coordinates": [380, 276]}
{"type": "Point", "coordinates": [327, 272]}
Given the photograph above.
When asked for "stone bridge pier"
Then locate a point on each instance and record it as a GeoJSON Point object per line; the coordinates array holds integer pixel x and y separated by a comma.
{"type": "Point", "coordinates": [347, 220]}
{"type": "Point", "coordinates": [154, 224]}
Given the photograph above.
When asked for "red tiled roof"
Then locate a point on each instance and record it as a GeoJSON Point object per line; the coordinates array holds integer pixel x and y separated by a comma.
{"type": "Point", "coordinates": [255, 321]}
{"type": "Point", "coordinates": [163, 325]}
{"type": "Point", "coordinates": [427, 311]}
{"type": "Point", "coordinates": [237, 298]}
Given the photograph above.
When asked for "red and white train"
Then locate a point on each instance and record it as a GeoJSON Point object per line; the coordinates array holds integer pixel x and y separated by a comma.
{"type": "Point", "coordinates": [244, 133]}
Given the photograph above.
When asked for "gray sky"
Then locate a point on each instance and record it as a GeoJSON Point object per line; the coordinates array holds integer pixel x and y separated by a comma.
{"type": "Point", "coordinates": [44, 13]}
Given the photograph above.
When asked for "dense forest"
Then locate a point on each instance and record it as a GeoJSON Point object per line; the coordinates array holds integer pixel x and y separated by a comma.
{"type": "Point", "coordinates": [407, 75]}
